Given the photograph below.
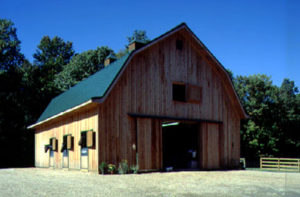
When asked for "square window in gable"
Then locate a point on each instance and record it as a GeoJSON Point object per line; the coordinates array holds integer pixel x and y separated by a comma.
{"type": "Point", "coordinates": [179, 92]}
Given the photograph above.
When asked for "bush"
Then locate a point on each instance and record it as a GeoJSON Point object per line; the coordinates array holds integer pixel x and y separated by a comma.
{"type": "Point", "coordinates": [123, 167]}
{"type": "Point", "coordinates": [111, 168]}
{"type": "Point", "coordinates": [103, 167]}
{"type": "Point", "coordinates": [134, 169]}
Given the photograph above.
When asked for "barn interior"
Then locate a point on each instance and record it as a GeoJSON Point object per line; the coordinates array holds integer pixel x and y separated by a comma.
{"type": "Point", "coordinates": [180, 146]}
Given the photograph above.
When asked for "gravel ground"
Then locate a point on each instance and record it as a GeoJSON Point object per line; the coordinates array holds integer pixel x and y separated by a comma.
{"type": "Point", "coordinates": [47, 182]}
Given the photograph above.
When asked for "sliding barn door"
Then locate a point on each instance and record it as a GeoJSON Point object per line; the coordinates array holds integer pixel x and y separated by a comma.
{"type": "Point", "coordinates": [149, 150]}
{"type": "Point", "coordinates": [209, 146]}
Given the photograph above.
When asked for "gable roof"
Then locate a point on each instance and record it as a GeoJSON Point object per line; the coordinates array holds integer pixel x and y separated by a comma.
{"type": "Point", "coordinates": [99, 84]}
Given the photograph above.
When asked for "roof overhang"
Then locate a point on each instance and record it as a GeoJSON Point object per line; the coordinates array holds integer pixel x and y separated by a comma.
{"type": "Point", "coordinates": [92, 100]}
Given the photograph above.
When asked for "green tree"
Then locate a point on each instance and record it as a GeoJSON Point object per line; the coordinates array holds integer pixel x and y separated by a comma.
{"type": "Point", "coordinates": [258, 97]}
{"type": "Point", "coordinates": [81, 66]}
{"type": "Point", "coordinates": [51, 56]}
{"type": "Point", "coordinates": [139, 35]}
{"type": "Point", "coordinates": [289, 121]}
{"type": "Point", "coordinates": [10, 55]}
{"type": "Point", "coordinates": [273, 127]}
{"type": "Point", "coordinates": [16, 143]}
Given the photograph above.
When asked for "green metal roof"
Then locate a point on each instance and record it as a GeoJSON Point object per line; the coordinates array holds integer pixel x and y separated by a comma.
{"type": "Point", "coordinates": [94, 86]}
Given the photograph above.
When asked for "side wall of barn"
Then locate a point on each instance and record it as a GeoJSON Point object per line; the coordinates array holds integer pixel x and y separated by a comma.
{"type": "Point", "coordinates": [72, 124]}
{"type": "Point", "coordinates": [145, 87]}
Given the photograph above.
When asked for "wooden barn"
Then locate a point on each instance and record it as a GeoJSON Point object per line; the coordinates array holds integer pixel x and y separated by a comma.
{"type": "Point", "coordinates": [167, 103]}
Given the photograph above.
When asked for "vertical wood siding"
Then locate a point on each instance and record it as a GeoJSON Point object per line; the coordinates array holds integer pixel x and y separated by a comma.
{"type": "Point", "coordinates": [73, 125]}
{"type": "Point", "coordinates": [146, 87]}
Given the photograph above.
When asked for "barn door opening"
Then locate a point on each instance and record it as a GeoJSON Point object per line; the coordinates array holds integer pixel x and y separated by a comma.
{"type": "Point", "coordinates": [180, 145]}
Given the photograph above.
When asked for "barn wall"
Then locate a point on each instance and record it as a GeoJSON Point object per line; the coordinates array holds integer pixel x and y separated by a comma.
{"type": "Point", "coordinates": [145, 87]}
{"type": "Point", "coordinates": [72, 124]}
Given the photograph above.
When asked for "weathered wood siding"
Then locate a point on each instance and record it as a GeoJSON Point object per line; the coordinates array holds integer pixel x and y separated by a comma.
{"type": "Point", "coordinates": [145, 87]}
{"type": "Point", "coordinates": [72, 124]}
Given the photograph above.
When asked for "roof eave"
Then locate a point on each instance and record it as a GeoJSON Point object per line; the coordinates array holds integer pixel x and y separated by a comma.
{"type": "Point", "coordinates": [92, 100]}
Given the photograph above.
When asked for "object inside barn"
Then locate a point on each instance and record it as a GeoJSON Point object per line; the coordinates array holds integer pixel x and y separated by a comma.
{"type": "Point", "coordinates": [180, 145]}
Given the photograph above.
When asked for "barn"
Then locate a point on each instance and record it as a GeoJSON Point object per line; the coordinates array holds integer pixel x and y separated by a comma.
{"type": "Point", "coordinates": [167, 103]}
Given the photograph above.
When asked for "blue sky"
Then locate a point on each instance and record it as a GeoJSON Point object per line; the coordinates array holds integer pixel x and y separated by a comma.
{"type": "Point", "coordinates": [248, 37]}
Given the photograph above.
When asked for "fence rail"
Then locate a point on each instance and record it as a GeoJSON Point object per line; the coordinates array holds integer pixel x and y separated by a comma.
{"type": "Point", "coordinates": [280, 164]}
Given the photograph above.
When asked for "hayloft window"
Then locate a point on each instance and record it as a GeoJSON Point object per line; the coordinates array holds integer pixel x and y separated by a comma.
{"type": "Point", "coordinates": [179, 92]}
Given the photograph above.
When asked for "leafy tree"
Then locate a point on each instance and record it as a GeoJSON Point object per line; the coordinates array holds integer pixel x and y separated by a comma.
{"type": "Point", "coordinates": [139, 35]}
{"type": "Point", "coordinates": [53, 53]}
{"type": "Point", "coordinates": [10, 55]}
{"type": "Point", "coordinates": [16, 143]}
{"type": "Point", "coordinates": [289, 121]}
{"type": "Point", "coordinates": [81, 66]}
{"type": "Point", "coordinates": [51, 56]}
{"type": "Point", "coordinates": [273, 128]}
{"type": "Point", "coordinates": [257, 97]}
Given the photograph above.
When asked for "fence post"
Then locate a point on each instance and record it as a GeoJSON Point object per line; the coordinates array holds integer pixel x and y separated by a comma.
{"type": "Point", "coordinates": [299, 165]}
{"type": "Point", "coordinates": [260, 163]}
{"type": "Point", "coordinates": [278, 163]}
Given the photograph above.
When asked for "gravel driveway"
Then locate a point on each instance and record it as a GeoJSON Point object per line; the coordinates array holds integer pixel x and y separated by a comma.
{"type": "Point", "coordinates": [47, 182]}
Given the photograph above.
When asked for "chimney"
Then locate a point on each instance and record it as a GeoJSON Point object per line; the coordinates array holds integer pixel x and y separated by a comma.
{"type": "Point", "coordinates": [109, 59]}
{"type": "Point", "coordinates": [136, 44]}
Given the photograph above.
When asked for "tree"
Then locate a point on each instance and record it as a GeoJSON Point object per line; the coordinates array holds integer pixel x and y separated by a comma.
{"type": "Point", "coordinates": [273, 129]}
{"type": "Point", "coordinates": [53, 53]}
{"type": "Point", "coordinates": [139, 35]}
{"type": "Point", "coordinates": [289, 121]}
{"type": "Point", "coordinates": [258, 97]}
{"type": "Point", "coordinates": [81, 66]}
{"type": "Point", "coordinates": [50, 57]}
{"type": "Point", "coordinates": [10, 55]}
{"type": "Point", "coordinates": [16, 143]}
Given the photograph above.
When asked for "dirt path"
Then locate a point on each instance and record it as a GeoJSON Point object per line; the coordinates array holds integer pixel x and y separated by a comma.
{"type": "Point", "coordinates": [46, 182]}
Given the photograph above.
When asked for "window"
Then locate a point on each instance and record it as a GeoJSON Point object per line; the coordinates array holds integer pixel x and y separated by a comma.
{"type": "Point", "coordinates": [82, 141]}
{"type": "Point", "coordinates": [87, 139]}
{"type": "Point", "coordinates": [179, 92]}
{"type": "Point", "coordinates": [179, 44]}
{"type": "Point", "coordinates": [64, 145]}
{"type": "Point", "coordinates": [53, 143]}
{"type": "Point", "coordinates": [48, 147]}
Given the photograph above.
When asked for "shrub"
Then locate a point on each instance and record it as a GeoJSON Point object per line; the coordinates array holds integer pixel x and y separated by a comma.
{"type": "Point", "coordinates": [123, 167]}
{"type": "Point", "coordinates": [111, 168]}
{"type": "Point", "coordinates": [103, 167]}
{"type": "Point", "coordinates": [134, 169]}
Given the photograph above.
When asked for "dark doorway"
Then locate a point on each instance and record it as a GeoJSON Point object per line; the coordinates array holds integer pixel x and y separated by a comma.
{"type": "Point", "coordinates": [180, 145]}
